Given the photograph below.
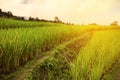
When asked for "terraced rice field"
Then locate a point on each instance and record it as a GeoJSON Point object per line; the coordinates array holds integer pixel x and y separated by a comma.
{"type": "Point", "coordinates": [53, 51]}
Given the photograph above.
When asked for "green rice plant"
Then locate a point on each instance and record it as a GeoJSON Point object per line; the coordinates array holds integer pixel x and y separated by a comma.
{"type": "Point", "coordinates": [10, 23]}
{"type": "Point", "coordinates": [18, 46]}
{"type": "Point", "coordinates": [20, 41]}
{"type": "Point", "coordinates": [97, 56]}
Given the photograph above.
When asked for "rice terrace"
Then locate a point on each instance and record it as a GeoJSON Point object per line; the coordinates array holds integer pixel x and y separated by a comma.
{"type": "Point", "coordinates": [32, 48]}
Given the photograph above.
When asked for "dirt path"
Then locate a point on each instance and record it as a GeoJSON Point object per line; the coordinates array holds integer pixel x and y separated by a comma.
{"type": "Point", "coordinates": [30, 68]}
{"type": "Point", "coordinates": [23, 73]}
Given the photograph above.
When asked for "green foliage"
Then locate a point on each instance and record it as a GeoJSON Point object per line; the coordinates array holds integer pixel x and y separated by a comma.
{"type": "Point", "coordinates": [20, 45]}
{"type": "Point", "coordinates": [10, 23]}
{"type": "Point", "coordinates": [57, 66]}
{"type": "Point", "coordinates": [52, 69]}
{"type": "Point", "coordinates": [21, 41]}
{"type": "Point", "coordinates": [97, 56]}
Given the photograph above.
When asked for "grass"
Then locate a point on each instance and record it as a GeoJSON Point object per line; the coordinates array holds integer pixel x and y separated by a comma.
{"type": "Point", "coordinates": [21, 41]}
{"type": "Point", "coordinates": [17, 46]}
{"type": "Point", "coordinates": [97, 56]}
{"type": "Point", "coordinates": [57, 67]}
{"type": "Point", "coordinates": [10, 23]}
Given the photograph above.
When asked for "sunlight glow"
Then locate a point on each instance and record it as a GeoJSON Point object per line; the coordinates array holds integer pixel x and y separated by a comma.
{"type": "Point", "coordinates": [75, 11]}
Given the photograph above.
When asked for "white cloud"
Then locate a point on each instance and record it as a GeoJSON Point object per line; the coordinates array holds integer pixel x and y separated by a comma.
{"type": "Point", "coordinates": [77, 11]}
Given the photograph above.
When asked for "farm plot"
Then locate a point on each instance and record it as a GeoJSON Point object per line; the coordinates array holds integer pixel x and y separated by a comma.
{"type": "Point", "coordinates": [97, 57]}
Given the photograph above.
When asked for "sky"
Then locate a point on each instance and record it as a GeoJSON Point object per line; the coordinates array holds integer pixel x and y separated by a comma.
{"type": "Point", "coordinates": [71, 11]}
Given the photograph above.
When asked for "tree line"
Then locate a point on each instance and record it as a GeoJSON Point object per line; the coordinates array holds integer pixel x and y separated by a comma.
{"type": "Point", "coordinates": [10, 15]}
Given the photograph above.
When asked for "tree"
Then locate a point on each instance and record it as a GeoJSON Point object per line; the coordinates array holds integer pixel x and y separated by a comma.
{"type": "Point", "coordinates": [31, 19]}
{"type": "Point", "coordinates": [92, 24]}
{"type": "Point", "coordinates": [115, 23]}
{"type": "Point", "coordinates": [9, 14]}
{"type": "Point", "coordinates": [37, 19]}
{"type": "Point", "coordinates": [57, 20]}
{"type": "Point", "coordinates": [0, 10]}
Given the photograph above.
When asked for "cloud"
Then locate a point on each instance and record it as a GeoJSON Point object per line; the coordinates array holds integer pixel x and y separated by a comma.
{"type": "Point", "coordinates": [24, 2]}
{"type": "Point", "coordinates": [76, 11]}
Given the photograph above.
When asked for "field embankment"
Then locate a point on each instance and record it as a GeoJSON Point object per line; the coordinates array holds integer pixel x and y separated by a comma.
{"type": "Point", "coordinates": [57, 66]}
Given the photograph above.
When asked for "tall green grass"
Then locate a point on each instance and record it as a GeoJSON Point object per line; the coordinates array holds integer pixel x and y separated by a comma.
{"type": "Point", "coordinates": [21, 41]}
{"type": "Point", "coordinates": [10, 23]}
{"type": "Point", "coordinates": [97, 56]}
{"type": "Point", "coordinates": [20, 45]}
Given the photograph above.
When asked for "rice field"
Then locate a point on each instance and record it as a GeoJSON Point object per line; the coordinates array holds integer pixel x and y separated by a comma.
{"type": "Point", "coordinates": [10, 23]}
{"type": "Point", "coordinates": [20, 45]}
{"type": "Point", "coordinates": [23, 41]}
{"type": "Point", "coordinates": [97, 57]}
